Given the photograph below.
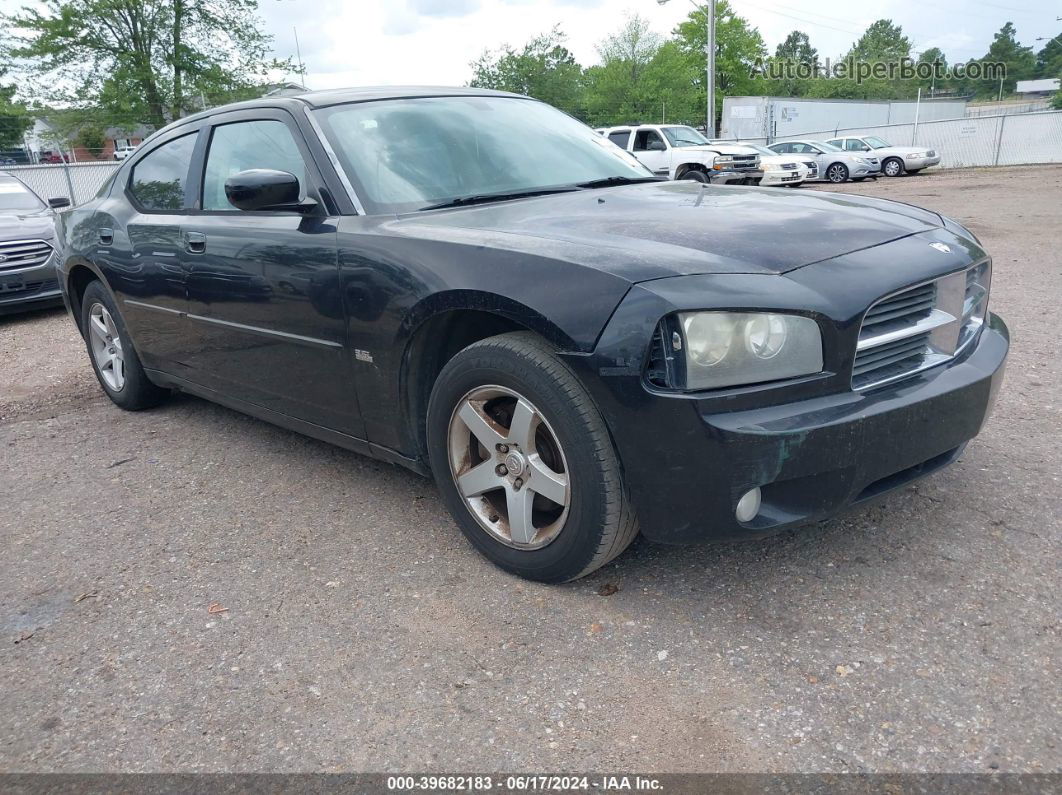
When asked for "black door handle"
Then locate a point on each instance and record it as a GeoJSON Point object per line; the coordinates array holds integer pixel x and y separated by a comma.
{"type": "Point", "coordinates": [195, 242]}
{"type": "Point", "coordinates": [106, 236]}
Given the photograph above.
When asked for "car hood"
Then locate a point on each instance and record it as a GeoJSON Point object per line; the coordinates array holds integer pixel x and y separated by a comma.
{"type": "Point", "coordinates": [656, 230]}
{"type": "Point", "coordinates": [38, 225]}
{"type": "Point", "coordinates": [781, 160]}
{"type": "Point", "coordinates": [722, 149]}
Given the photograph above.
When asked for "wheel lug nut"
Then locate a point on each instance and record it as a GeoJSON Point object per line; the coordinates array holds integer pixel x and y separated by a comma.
{"type": "Point", "coordinates": [501, 469]}
{"type": "Point", "coordinates": [503, 448]}
{"type": "Point", "coordinates": [518, 484]}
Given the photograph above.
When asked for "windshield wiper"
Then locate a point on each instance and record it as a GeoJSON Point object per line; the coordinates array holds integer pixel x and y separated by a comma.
{"type": "Point", "coordinates": [484, 198]}
{"type": "Point", "coordinates": [608, 182]}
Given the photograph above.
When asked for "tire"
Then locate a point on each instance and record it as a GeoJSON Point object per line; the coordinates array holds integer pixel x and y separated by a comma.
{"type": "Point", "coordinates": [695, 175]}
{"type": "Point", "coordinates": [892, 167]}
{"type": "Point", "coordinates": [117, 366]}
{"type": "Point", "coordinates": [517, 380]}
{"type": "Point", "coordinates": [837, 173]}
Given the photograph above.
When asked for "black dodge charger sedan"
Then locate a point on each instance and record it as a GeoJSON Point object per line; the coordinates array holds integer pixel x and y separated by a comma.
{"type": "Point", "coordinates": [478, 287]}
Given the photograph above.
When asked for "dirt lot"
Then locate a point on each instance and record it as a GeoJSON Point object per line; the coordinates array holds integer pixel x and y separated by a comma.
{"type": "Point", "coordinates": [361, 632]}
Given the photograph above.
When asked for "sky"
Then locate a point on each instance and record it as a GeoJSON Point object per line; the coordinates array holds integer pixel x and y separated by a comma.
{"type": "Point", "coordinates": [432, 42]}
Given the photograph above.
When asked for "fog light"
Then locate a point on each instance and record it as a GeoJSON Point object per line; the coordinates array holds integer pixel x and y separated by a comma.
{"type": "Point", "coordinates": [748, 506]}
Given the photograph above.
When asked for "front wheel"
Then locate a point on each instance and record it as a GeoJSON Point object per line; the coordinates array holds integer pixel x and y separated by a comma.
{"type": "Point", "coordinates": [837, 173]}
{"type": "Point", "coordinates": [892, 167]}
{"type": "Point", "coordinates": [524, 462]}
{"type": "Point", "coordinates": [696, 176]}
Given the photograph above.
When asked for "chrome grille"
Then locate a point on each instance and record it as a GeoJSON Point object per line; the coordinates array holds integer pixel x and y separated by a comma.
{"type": "Point", "coordinates": [921, 326]}
{"type": "Point", "coordinates": [23, 254]}
{"type": "Point", "coordinates": [746, 161]}
{"type": "Point", "coordinates": [789, 166]}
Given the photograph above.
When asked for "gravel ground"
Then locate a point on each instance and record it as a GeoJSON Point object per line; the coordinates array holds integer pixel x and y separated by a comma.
{"type": "Point", "coordinates": [360, 631]}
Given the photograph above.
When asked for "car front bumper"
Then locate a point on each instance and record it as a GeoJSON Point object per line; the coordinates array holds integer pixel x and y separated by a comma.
{"type": "Point", "coordinates": [30, 288]}
{"type": "Point", "coordinates": [736, 177]}
{"type": "Point", "coordinates": [774, 178]}
{"type": "Point", "coordinates": [918, 163]}
{"type": "Point", "coordinates": [689, 461]}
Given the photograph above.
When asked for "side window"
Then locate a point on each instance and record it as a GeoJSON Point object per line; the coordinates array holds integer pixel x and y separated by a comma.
{"type": "Point", "coordinates": [643, 138]}
{"type": "Point", "coordinates": [243, 145]}
{"type": "Point", "coordinates": [838, 142]}
{"type": "Point", "coordinates": [854, 145]}
{"type": "Point", "coordinates": [785, 149]}
{"type": "Point", "coordinates": [620, 138]}
{"type": "Point", "coordinates": [159, 179]}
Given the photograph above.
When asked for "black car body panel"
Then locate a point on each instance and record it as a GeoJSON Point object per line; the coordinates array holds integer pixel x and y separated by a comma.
{"type": "Point", "coordinates": [313, 320]}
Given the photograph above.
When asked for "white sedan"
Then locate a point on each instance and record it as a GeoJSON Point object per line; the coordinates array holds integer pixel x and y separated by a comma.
{"type": "Point", "coordinates": [895, 160]}
{"type": "Point", "coordinates": [780, 169]}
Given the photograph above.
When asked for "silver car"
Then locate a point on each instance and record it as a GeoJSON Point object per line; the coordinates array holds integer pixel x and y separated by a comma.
{"type": "Point", "coordinates": [895, 160]}
{"type": "Point", "coordinates": [834, 165]}
{"type": "Point", "coordinates": [28, 277]}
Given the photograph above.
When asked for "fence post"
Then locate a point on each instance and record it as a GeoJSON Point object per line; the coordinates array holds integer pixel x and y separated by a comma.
{"type": "Point", "coordinates": [69, 182]}
{"type": "Point", "coordinates": [999, 138]}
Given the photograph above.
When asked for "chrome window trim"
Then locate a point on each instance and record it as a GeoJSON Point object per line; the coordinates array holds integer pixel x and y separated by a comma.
{"type": "Point", "coordinates": [334, 158]}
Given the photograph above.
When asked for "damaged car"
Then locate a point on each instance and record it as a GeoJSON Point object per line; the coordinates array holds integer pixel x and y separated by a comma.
{"type": "Point", "coordinates": [474, 285]}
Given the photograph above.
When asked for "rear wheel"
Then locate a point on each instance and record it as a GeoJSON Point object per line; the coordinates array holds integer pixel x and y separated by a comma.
{"type": "Point", "coordinates": [837, 173]}
{"type": "Point", "coordinates": [110, 349]}
{"type": "Point", "coordinates": [524, 462]}
{"type": "Point", "coordinates": [893, 167]}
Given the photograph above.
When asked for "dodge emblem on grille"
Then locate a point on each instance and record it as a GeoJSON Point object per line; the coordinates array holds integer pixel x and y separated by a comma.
{"type": "Point", "coordinates": [944, 248]}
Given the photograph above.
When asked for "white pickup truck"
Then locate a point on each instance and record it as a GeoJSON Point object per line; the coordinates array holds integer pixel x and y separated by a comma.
{"type": "Point", "coordinates": [680, 152]}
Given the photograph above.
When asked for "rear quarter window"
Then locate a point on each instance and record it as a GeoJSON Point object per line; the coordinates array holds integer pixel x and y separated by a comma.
{"type": "Point", "coordinates": [159, 179]}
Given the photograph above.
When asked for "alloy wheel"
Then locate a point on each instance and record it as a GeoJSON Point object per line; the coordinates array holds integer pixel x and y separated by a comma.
{"type": "Point", "coordinates": [837, 173]}
{"type": "Point", "coordinates": [509, 467]}
{"type": "Point", "coordinates": [106, 347]}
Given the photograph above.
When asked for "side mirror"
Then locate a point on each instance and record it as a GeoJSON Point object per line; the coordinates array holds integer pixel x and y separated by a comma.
{"type": "Point", "coordinates": [58, 201]}
{"type": "Point", "coordinates": [656, 146]}
{"type": "Point", "coordinates": [866, 148]}
{"type": "Point", "coordinates": [265, 189]}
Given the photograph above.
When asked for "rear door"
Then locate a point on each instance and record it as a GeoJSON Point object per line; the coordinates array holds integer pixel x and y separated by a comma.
{"type": "Point", "coordinates": [265, 308]}
{"type": "Point", "coordinates": [139, 249]}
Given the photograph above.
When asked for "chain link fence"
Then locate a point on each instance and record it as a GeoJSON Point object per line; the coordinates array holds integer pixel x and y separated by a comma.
{"type": "Point", "coordinates": [78, 182]}
{"type": "Point", "coordinates": [1002, 140]}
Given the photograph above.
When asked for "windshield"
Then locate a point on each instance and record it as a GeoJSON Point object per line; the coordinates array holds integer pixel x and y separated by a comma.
{"type": "Point", "coordinates": [411, 154]}
{"type": "Point", "coordinates": [825, 146]}
{"type": "Point", "coordinates": [875, 143]}
{"type": "Point", "coordinates": [684, 136]}
{"type": "Point", "coordinates": [15, 197]}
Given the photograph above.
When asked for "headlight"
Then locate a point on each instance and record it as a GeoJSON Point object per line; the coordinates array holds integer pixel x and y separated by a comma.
{"type": "Point", "coordinates": [731, 348]}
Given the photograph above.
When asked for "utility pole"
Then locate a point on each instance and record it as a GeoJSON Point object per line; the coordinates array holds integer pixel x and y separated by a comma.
{"type": "Point", "coordinates": [298, 53]}
{"type": "Point", "coordinates": [709, 11]}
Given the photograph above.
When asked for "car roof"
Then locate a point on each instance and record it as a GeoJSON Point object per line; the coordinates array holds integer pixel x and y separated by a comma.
{"type": "Point", "coordinates": [343, 96]}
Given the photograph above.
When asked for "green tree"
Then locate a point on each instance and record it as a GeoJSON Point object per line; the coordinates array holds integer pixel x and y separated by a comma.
{"type": "Point", "coordinates": [795, 52]}
{"type": "Point", "coordinates": [615, 89]}
{"type": "Point", "coordinates": [14, 117]}
{"type": "Point", "coordinates": [1049, 59]}
{"type": "Point", "coordinates": [933, 57]}
{"type": "Point", "coordinates": [1020, 62]}
{"type": "Point", "coordinates": [738, 49]}
{"type": "Point", "coordinates": [141, 61]}
{"type": "Point", "coordinates": [882, 41]}
{"type": "Point", "coordinates": [543, 68]}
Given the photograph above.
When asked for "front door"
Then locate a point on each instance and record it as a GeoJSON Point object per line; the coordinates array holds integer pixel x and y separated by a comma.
{"type": "Point", "coordinates": [264, 302]}
{"type": "Point", "coordinates": [650, 148]}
